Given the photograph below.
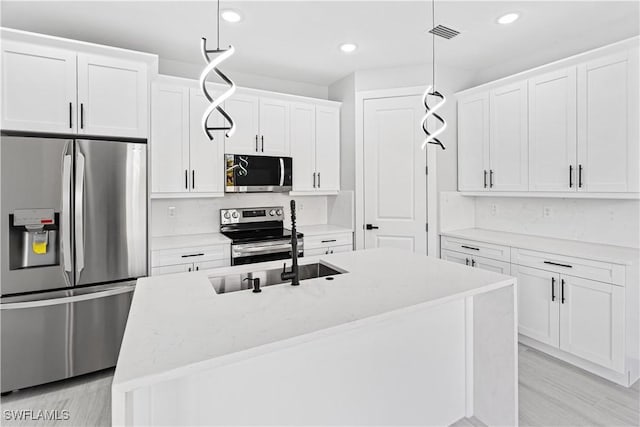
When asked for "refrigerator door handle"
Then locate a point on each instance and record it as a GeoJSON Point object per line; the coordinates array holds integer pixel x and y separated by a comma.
{"type": "Point", "coordinates": [66, 215]}
{"type": "Point", "coordinates": [79, 213]}
{"type": "Point", "coordinates": [67, 299]}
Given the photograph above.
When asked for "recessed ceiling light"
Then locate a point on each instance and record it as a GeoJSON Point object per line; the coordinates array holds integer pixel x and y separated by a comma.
{"type": "Point", "coordinates": [508, 18]}
{"type": "Point", "coordinates": [348, 47]}
{"type": "Point", "coordinates": [231, 15]}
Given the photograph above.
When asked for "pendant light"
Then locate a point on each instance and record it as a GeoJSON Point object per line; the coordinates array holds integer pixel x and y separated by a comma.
{"type": "Point", "coordinates": [221, 55]}
{"type": "Point", "coordinates": [432, 137]}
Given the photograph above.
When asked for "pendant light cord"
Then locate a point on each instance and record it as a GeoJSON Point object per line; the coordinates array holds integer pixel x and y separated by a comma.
{"type": "Point", "coordinates": [433, 42]}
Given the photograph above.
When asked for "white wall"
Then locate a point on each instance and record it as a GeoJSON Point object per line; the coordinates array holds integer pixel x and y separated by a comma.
{"type": "Point", "coordinates": [254, 81]}
{"type": "Point", "coordinates": [195, 216]}
{"type": "Point", "coordinates": [612, 222]}
{"type": "Point", "coordinates": [344, 90]}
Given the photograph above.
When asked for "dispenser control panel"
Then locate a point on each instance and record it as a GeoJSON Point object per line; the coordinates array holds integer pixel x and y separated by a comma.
{"type": "Point", "coordinates": [33, 217]}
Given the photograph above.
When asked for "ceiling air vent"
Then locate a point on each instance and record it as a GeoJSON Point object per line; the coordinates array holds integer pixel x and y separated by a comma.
{"type": "Point", "coordinates": [444, 32]}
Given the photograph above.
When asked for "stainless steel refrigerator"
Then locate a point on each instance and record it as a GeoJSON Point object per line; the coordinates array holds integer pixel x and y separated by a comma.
{"type": "Point", "coordinates": [74, 239]}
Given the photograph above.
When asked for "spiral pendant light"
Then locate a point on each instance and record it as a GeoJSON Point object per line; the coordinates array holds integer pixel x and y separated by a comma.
{"type": "Point", "coordinates": [220, 55]}
{"type": "Point", "coordinates": [432, 136]}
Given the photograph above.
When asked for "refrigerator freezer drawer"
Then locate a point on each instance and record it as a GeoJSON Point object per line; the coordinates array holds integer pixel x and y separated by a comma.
{"type": "Point", "coordinates": [46, 340]}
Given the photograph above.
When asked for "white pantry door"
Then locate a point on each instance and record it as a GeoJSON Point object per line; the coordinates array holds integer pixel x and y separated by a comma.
{"type": "Point", "coordinates": [395, 180]}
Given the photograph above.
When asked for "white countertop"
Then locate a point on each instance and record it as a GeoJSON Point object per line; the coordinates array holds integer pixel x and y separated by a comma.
{"type": "Point", "coordinates": [178, 325]}
{"type": "Point", "coordinates": [322, 229]}
{"type": "Point", "coordinates": [593, 251]}
{"type": "Point", "coordinates": [188, 240]}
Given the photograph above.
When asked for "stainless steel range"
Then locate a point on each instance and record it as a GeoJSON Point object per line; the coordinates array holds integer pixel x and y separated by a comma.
{"type": "Point", "coordinates": [258, 234]}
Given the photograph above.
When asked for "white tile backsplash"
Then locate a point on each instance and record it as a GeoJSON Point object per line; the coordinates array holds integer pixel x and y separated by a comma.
{"type": "Point", "coordinates": [193, 216]}
{"type": "Point", "coordinates": [615, 222]}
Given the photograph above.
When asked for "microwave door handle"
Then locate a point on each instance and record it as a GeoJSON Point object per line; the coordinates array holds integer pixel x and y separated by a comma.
{"type": "Point", "coordinates": [281, 172]}
{"type": "Point", "coordinates": [79, 213]}
{"type": "Point", "coordinates": [66, 215]}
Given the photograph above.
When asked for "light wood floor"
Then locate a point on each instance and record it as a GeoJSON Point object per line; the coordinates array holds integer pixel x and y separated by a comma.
{"type": "Point", "coordinates": [552, 393]}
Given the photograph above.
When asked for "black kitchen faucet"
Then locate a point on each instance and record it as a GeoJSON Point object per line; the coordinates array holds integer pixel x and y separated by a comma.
{"type": "Point", "coordinates": [293, 274]}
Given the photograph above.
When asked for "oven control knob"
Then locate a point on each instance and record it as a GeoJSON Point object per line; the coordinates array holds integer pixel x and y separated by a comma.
{"type": "Point", "coordinates": [227, 215]}
{"type": "Point", "coordinates": [279, 212]}
{"type": "Point", "coordinates": [272, 212]}
{"type": "Point", "coordinates": [234, 214]}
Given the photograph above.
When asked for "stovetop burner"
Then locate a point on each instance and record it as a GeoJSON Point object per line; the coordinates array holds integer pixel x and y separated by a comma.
{"type": "Point", "coordinates": [249, 225]}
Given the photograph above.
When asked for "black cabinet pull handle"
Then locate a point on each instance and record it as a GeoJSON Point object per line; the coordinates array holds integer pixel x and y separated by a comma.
{"type": "Point", "coordinates": [470, 247]}
{"type": "Point", "coordinates": [262, 139]}
{"type": "Point", "coordinates": [81, 116]}
{"type": "Point", "coordinates": [186, 179]}
{"type": "Point", "coordinates": [558, 264]}
{"type": "Point", "coordinates": [467, 261]}
{"type": "Point", "coordinates": [570, 176]}
{"type": "Point", "coordinates": [579, 176]}
{"type": "Point", "coordinates": [553, 290]}
{"type": "Point", "coordinates": [193, 179]}
{"type": "Point", "coordinates": [318, 179]}
{"type": "Point", "coordinates": [191, 255]}
{"type": "Point", "coordinates": [330, 240]}
{"type": "Point", "coordinates": [490, 178]}
{"type": "Point", "coordinates": [485, 179]}
{"type": "Point", "coordinates": [562, 291]}
{"type": "Point", "coordinates": [473, 262]}
{"type": "Point", "coordinates": [70, 115]}
{"type": "Point", "coordinates": [314, 180]}
{"type": "Point", "coordinates": [371, 227]}
{"type": "Point", "coordinates": [256, 143]}
{"type": "Point", "coordinates": [197, 268]}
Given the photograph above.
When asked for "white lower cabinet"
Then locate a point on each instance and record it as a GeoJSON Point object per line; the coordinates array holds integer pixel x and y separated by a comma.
{"type": "Point", "coordinates": [180, 260]}
{"type": "Point", "coordinates": [580, 310]}
{"type": "Point", "coordinates": [477, 261]}
{"type": "Point", "coordinates": [328, 244]}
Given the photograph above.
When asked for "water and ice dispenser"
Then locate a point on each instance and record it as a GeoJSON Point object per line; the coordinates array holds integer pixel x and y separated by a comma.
{"type": "Point", "coordinates": [33, 238]}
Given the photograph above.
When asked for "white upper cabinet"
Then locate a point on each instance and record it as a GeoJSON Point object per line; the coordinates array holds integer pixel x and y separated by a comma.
{"type": "Point", "coordinates": [473, 142]}
{"type": "Point", "coordinates": [206, 156]}
{"type": "Point", "coordinates": [262, 125]}
{"type": "Point", "coordinates": [315, 147]}
{"type": "Point", "coordinates": [274, 127]}
{"type": "Point", "coordinates": [328, 148]}
{"type": "Point", "coordinates": [112, 94]}
{"type": "Point", "coordinates": [508, 137]}
{"type": "Point", "coordinates": [169, 138]}
{"type": "Point", "coordinates": [38, 88]}
{"type": "Point", "coordinates": [303, 146]}
{"type": "Point", "coordinates": [607, 124]}
{"type": "Point", "coordinates": [244, 110]}
{"type": "Point", "coordinates": [552, 131]}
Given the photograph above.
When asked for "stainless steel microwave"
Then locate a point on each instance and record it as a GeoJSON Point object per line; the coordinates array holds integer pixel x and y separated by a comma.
{"type": "Point", "coordinates": [258, 174]}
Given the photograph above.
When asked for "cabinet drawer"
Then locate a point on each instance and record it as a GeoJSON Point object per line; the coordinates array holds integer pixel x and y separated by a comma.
{"type": "Point", "coordinates": [471, 247]}
{"type": "Point", "coordinates": [315, 242]}
{"type": "Point", "coordinates": [170, 269]}
{"type": "Point", "coordinates": [195, 254]}
{"type": "Point", "coordinates": [578, 267]}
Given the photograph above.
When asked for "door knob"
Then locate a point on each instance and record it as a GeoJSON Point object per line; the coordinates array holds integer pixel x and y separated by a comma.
{"type": "Point", "coordinates": [372, 227]}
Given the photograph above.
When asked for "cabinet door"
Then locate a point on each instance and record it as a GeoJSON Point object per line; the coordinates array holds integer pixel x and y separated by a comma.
{"type": "Point", "coordinates": [303, 144]}
{"type": "Point", "coordinates": [455, 257]}
{"type": "Point", "coordinates": [508, 148]}
{"type": "Point", "coordinates": [206, 156]}
{"type": "Point", "coordinates": [244, 110]}
{"type": "Point", "coordinates": [38, 88]}
{"type": "Point", "coordinates": [538, 304]}
{"type": "Point", "coordinates": [328, 148]}
{"type": "Point", "coordinates": [491, 265]}
{"type": "Point", "coordinates": [552, 131]}
{"type": "Point", "coordinates": [274, 127]}
{"type": "Point", "coordinates": [607, 153]}
{"type": "Point", "coordinates": [169, 139]}
{"type": "Point", "coordinates": [592, 321]}
{"type": "Point", "coordinates": [473, 142]}
{"type": "Point", "coordinates": [113, 98]}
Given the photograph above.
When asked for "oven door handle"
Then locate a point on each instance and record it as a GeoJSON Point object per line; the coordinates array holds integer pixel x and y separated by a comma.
{"type": "Point", "coordinates": [264, 249]}
{"type": "Point", "coordinates": [281, 172]}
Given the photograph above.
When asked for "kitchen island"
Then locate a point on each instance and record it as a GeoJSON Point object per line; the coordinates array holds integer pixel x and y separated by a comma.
{"type": "Point", "coordinates": [396, 339]}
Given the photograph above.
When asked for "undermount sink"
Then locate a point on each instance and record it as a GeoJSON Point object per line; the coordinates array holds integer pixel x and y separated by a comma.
{"type": "Point", "coordinates": [239, 282]}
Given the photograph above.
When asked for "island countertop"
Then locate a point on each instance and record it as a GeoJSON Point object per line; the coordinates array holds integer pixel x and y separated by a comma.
{"type": "Point", "coordinates": [178, 324]}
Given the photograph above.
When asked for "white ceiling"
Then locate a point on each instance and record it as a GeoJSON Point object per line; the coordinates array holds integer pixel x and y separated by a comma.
{"type": "Point", "coordinates": [298, 40]}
